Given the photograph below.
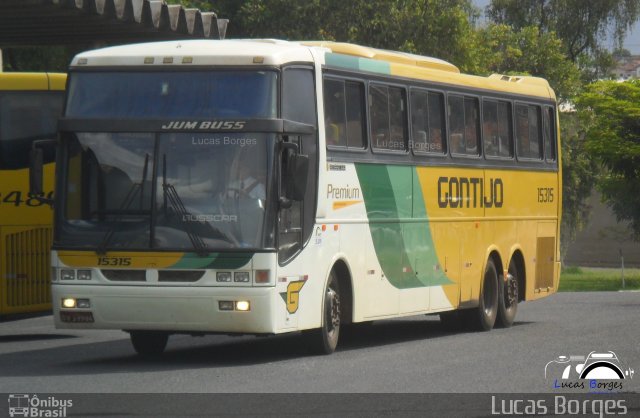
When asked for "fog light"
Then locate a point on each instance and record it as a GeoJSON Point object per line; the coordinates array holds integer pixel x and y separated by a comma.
{"type": "Point", "coordinates": [83, 303]}
{"type": "Point", "coordinates": [223, 276]}
{"type": "Point", "coordinates": [66, 274]}
{"type": "Point", "coordinates": [243, 305]}
{"type": "Point", "coordinates": [84, 274]}
{"type": "Point", "coordinates": [262, 276]}
{"type": "Point", "coordinates": [69, 303]}
{"type": "Point", "coordinates": [241, 276]}
{"type": "Point", "coordinates": [225, 305]}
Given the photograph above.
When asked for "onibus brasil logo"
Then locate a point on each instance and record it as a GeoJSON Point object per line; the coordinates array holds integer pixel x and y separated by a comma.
{"type": "Point", "coordinates": [30, 406]}
{"type": "Point", "coordinates": [596, 371]}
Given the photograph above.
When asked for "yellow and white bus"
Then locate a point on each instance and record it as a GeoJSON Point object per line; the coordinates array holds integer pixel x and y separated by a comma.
{"type": "Point", "coordinates": [30, 105]}
{"type": "Point", "coordinates": [266, 187]}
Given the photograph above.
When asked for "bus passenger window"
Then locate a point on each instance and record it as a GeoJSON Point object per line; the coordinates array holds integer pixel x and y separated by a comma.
{"type": "Point", "coordinates": [344, 113]}
{"type": "Point", "coordinates": [496, 129]}
{"type": "Point", "coordinates": [471, 129]}
{"type": "Point", "coordinates": [334, 112]}
{"type": "Point", "coordinates": [549, 134]}
{"type": "Point", "coordinates": [388, 118]}
{"type": "Point", "coordinates": [464, 123]}
{"type": "Point", "coordinates": [426, 121]}
{"type": "Point", "coordinates": [528, 127]}
{"type": "Point", "coordinates": [356, 132]}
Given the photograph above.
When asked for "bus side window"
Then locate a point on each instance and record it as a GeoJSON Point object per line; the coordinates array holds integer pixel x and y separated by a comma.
{"type": "Point", "coordinates": [334, 113]}
{"type": "Point", "coordinates": [496, 129]}
{"type": "Point", "coordinates": [528, 131]}
{"type": "Point", "coordinates": [427, 110]}
{"type": "Point", "coordinates": [549, 134]}
{"type": "Point", "coordinates": [388, 118]}
{"type": "Point", "coordinates": [356, 131]}
{"type": "Point", "coordinates": [344, 113]}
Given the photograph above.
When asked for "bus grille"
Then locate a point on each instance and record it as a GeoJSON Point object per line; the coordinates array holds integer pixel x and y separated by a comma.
{"type": "Point", "coordinates": [125, 275]}
{"type": "Point", "coordinates": [28, 268]}
{"type": "Point", "coordinates": [183, 276]}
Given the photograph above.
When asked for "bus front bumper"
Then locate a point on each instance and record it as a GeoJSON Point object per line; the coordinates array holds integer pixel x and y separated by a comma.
{"type": "Point", "coordinates": [173, 309]}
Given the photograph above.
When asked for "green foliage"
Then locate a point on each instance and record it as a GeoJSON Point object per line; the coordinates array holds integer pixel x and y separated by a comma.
{"type": "Point", "coordinates": [579, 171]}
{"type": "Point", "coordinates": [598, 279]}
{"type": "Point", "coordinates": [610, 114]}
{"type": "Point", "coordinates": [528, 51]}
{"type": "Point", "coordinates": [52, 59]}
{"type": "Point", "coordinates": [582, 25]}
{"type": "Point", "coordinates": [438, 28]}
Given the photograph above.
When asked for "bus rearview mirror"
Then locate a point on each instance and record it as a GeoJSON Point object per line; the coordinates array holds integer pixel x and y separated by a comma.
{"type": "Point", "coordinates": [297, 178]}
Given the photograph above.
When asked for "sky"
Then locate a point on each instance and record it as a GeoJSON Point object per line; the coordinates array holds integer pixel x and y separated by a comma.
{"type": "Point", "coordinates": [632, 41]}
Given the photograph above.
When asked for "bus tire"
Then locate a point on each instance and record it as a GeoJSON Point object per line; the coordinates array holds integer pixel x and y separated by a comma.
{"type": "Point", "coordinates": [484, 316]}
{"type": "Point", "coordinates": [149, 343]}
{"type": "Point", "coordinates": [325, 338]}
{"type": "Point", "coordinates": [508, 297]}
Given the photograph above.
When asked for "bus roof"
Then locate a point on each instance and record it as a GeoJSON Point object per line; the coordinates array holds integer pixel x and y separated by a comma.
{"type": "Point", "coordinates": [32, 81]}
{"type": "Point", "coordinates": [276, 52]}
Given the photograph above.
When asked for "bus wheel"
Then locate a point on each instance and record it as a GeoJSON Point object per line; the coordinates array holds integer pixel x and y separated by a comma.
{"type": "Point", "coordinates": [326, 338]}
{"type": "Point", "coordinates": [508, 298]}
{"type": "Point", "coordinates": [149, 343]}
{"type": "Point", "coordinates": [484, 316]}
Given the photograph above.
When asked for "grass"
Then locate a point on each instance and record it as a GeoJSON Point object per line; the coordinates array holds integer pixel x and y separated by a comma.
{"type": "Point", "coordinates": [585, 279]}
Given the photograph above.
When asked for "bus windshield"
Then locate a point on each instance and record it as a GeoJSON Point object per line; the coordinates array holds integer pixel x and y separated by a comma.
{"type": "Point", "coordinates": [177, 191]}
{"type": "Point", "coordinates": [169, 191]}
{"type": "Point", "coordinates": [159, 94]}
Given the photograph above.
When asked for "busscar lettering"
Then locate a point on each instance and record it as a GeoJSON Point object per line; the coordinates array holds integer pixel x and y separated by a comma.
{"type": "Point", "coordinates": [470, 192]}
{"type": "Point", "coordinates": [227, 125]}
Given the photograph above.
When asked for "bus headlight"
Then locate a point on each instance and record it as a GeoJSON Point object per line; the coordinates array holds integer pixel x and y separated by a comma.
{"type": "Point", "coordinates": [66, 274]}
{"type": "Point", "coordinates": [84, 274]}
{"type": "Point", "coordinates": [68, 303]}
{"type": "Point", "coordinates": [243, 305]}
{"type": "Point", "coordinates": [241, 276]}
{"type": "Point", "coordinates": [223, 276]}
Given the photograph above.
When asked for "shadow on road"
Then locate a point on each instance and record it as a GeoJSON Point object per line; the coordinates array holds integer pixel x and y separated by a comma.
{"type": "Point", "coordinates": [185, 352]}
{"type": "Point", "coordinates": [33, 337]}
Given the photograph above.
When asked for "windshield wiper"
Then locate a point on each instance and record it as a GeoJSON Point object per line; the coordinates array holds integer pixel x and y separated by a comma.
{"type": "Point", "coordinates": [126, 202]}
{"type": "Point", "coordinates": [177, 205]}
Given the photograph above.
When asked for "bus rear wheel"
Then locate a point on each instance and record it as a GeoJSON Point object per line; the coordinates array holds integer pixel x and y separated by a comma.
{"type": "Point", "coordinates": [484, 316]}
{"type": "Point", "coordinates": [325, 339]}
{"type": "Point", "coordinates": [508, 297]}
{"type": "Point", "coordinates": [149, 343]}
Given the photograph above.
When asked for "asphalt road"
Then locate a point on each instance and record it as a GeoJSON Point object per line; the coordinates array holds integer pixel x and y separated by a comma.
{"type": "Point", "coordinates": [413, 355]}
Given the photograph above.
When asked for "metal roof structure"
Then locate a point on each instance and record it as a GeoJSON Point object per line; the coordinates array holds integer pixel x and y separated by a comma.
{"type": "Point", "coordinates": [73, 22]}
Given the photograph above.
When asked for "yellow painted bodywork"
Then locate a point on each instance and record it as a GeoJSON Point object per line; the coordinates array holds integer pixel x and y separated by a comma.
{"type": "Point", "coordinates": [25, 229]}
{"type": "Point", "coordinates": [466, 232]}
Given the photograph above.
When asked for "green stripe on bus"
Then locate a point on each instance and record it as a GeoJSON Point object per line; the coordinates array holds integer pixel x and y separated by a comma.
{"type": "Point", "coordinates": [213, 261]}
{"type": "Point", "coordinates": [356, 63]}
{"type": "Point", "coordinates": [405, 251]}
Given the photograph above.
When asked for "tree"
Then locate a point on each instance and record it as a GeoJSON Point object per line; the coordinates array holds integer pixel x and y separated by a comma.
{"type": "Point", "coordinates": [502, 49]}
{"type": "Point", "coordinates": [610, 114]}
{"type": "Point", "coordinates": [582, 25]}
{"type": "Point", "coordinates": [440, 28]}
{"type": "Point", "coordinates": [579, 172]}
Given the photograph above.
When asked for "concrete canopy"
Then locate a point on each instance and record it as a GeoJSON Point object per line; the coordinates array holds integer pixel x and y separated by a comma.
{"type": "Point", "coordinates": [71, 22]}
